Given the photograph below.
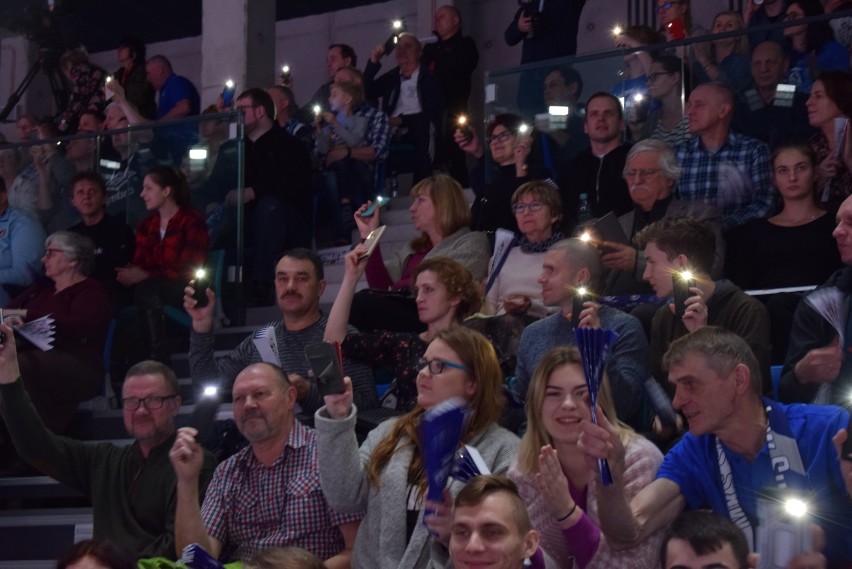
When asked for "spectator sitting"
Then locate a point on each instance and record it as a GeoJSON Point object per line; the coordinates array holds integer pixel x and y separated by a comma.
{"type": "Point", "coordinates": [831, 99]}
{"type": "Point", "coordinates": [704, 539]}
{"type": "Point", "coordinates": [342, 128]}
{"type": "Point", "coordinates": [284, 558]}
{"type": "Point", "coordinates": [724, 60]}
{"type": "Point", "coordinates": [133, 78]}
{"type": "Point", "coordinates": [563, 87]}
{"type": "Point", "coordinates": [445, 295]}
{"type": "Point", "coordinates": [113, 239]}
{"type": "Point", "coordinates": [487, 504]}
{"type": "Point", "coordinates": [511, 288]}
{"type": "Point", "coordinates": [299, 284]}
{"type": "Point", "coordinates": [674, 245]}
{"type": "Point", "coordinates": [279, 463]}
{"type": "Point", "coordinates": [53, 173]}
{"type": "Point", "coordinates": [669, 82]}
{"type": "Point", "coordinates": [411, 97]}
{"type": "Point", "coordinates": [440, 213]}
{"type": "Point", "coordinates": [386, 476]}
{"type": "Point", "coordinates": [816, 369]}
{"type": "Point", "coordinates": [759, 112]}
{"type": "Point", "coordinates": [287, 114]}
{"type": "Point", "coordinates": [21, 246]}
{"type": "Point", "coordinates": [60, 378]}
{"type": "Point", "coordinates": [720, 167]}
{"type": "Point", "coordinates": [96, 554]}
{"type": "Point", "coordinates": [81, 151]}
{"type": "Point", "coordinates": [131, 487]}
{"type": "Point", "coordinates": [554, 478]}
{"type": "Point", "coordinates": [25, 127]}
{"type": "Point", "coordinates": [633, 88]}
{"type": "Point", "coordinates": [339, 55]}
{"type": "Point", "coordinates": [86, 80]}
{"type": "Point", "coordinates": [792, 248]}
{"type": "Point", "coordinates": [651, 172]}
{"type": "Point", "coordinates": [725, 461]}
{"type": "Point", "coordinates": [596, 171]}
{"type": "Point", "coordinates": [568, 265]}
{"type": "Point", "coordinates": [170, 244]}
{"type": "Point", "coordinates": [21, 181]}
{"type": "Point", "coordinates": [767, 12]}
{"type": "Point", "coordinates": [511, 150]}
{"type": "Point", "coordinates": [814, 47]}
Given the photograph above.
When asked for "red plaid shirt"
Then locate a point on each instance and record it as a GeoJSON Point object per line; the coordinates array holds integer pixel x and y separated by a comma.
{"type": "Point", "coordinates": [182, 248]}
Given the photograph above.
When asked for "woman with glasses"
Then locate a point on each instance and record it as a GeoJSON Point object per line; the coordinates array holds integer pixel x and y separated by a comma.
{"type": "Point", "coordinates": [795, 247]}
{"type": "Point", "coordinates": [386, 477]}
{"type": "Point", "coordinates": [72, 371]}
{"type": "Point", "coordinates": [555, 479]}
{"type": "Point", "coordinates": [724, 60]}
{"type": "Point", "coordinates": [444, 293]}
{"type": "Point", "coordinates": [667, 87]}
{"type": "Point", "coordinates": [511, 146]}
{"type": "Point", "coordinates": [814, 47]}
{"type": "Point", "coordinates": [675, 19]}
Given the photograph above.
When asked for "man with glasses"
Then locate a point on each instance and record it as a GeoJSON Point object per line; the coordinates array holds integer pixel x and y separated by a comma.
{"type": "Point", "coordinates": [596, 171]}
{"type": "Point", "coordinates": [651, 172]}
{"type": "Point", "coordinates": [268, 494]}
{"type": "Point", "coordinates": [569, 265]}
{"type": "Point", "coordinates": [132, 488]}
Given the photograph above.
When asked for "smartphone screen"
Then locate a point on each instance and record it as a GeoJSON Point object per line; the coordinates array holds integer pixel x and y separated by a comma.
{"type": "Point", "coordinates": [327, 367]}
{"type": "Point", "coordinates": [681, 292]}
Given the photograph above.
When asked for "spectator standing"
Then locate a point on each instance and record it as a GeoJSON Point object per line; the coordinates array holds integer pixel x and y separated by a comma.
{"type": "Point", "coordinates": [411, 97]}
{"type": "Point", "coordinates": [86, 80]}
{"type": "Point", "coordinates": [757, 14]}
{"type": "Point", "coordinates": [720, 167]}
{"type": "Point", "coordinates": [814, 47]}
{"type": "Point", "coordinates": [133, 78]}
{"type": "Point", "coordinates": [279, 463]}
{"type": "Point", "coordinates": [562, 88]}
{"type": "Point", "coordinates": [452, 59]}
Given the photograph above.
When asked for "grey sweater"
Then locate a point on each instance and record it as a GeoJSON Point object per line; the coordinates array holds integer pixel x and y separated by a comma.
{"type": "Point", "coordinates": [381, 540]}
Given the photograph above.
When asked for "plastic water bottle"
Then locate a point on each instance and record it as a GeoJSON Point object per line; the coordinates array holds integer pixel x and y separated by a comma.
{"type": "Point", "coordinates": [585, 212]}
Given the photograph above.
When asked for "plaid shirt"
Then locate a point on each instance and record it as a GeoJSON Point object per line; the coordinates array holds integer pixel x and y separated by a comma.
{"type": "Point", "coordinates": [378, 131]}
{"type": "Point", "coordinates": [182, 248]}
{"type": "Point", "coordinates": [736, 178]}
{"type": "Point", "coordinates": [249, 507]}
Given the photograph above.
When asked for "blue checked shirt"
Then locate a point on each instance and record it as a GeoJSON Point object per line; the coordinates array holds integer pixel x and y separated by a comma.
{"type": "Point", "coordinates": [378, 131]}
{"type": "Point", "coordinates": [736, 179]}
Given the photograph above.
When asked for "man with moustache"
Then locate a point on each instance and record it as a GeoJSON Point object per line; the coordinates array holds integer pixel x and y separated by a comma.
{"type": "Point", "coordinates": [299, 284]}
{"type": "Point", "coordinates": [268, 494]}
{"type": "Point", "coordinates": [596, 171]}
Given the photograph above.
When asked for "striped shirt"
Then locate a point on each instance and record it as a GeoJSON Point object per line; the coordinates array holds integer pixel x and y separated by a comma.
{"type": "Point", "coordinates": [249, 507]}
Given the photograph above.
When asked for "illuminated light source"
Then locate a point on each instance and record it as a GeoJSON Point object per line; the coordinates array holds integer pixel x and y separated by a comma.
{"type": "Point", "coordinates": [617, 30]}
{"type": "Point", "coordinates": [462, 120]}
{"type": "Point", "coordinates": [397, 24]}
{"type": "Point", "coordinates": [582, 291]}
{"type": "Point", "coordinates": [317, 109]}
{"type": "Point", "coordinates": [285, 69]}
{"type": "Point", "coordinates": [200, 273]}
{"type": "Point", "coordinates": [524, 128]}
{"type": "Point", "coordinates": [638, 98]}
{"type": "Point", "coordinates": [558, 110]}
{"type": "Point", "coordinates": [795, 507]}
{"type": "Point", "coordinates": [585, 236]}
{"type": "Point", "coordinates": [210, 391]}
{"type": "Point", "coordinates": [198, 154]}
{"type": "Point", "coordinates": [110, 164]}
{"type": "Point", "coordinates": [686, 275]}
{"type": "Point", "coordinates": [229, 84]}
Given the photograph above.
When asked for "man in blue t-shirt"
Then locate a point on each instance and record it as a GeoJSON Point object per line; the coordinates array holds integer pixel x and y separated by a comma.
{"type": "Point", "coordinates": [738, 447]}
{"type": "Point", "coordinates": [177, 98]}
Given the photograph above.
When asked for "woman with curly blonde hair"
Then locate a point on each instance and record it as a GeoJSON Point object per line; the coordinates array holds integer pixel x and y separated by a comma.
{"type": "Point", "coordinates": [386, 477]}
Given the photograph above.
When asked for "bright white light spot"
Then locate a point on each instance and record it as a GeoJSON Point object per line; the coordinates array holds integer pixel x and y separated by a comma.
{"type": "Point", "coordinates": [198, 154]}
{"type": "Point", "coordinates": [795, 507]}
{"type": "Point", "coordinates": [558, 110]}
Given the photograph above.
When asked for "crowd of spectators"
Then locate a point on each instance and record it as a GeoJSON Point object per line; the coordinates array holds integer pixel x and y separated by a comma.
{"type": "Point", "coordinates": [734, 172]}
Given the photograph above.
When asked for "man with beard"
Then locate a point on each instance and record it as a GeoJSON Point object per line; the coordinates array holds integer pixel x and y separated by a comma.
{"type": "Point", "coordinates": [596, 171]}
{"type": "Point", "coordinates": [299, 284]}
{"type": "Point", "coordinates": [268, 494]}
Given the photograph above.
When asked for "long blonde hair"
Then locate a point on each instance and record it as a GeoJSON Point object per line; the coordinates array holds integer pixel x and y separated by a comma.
{"type": "Point", "coordinates": [451, 210]}
{"type": "Point", "coordinates": [476, 354]}
{"type": "Point", "coordinates": [536, 435]}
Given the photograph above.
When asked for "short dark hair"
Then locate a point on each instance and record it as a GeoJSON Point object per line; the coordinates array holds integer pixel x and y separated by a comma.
{"type": "Point", "coordinates": [89, 176]}
{"type": "Point", "coordinates": [509, 121]}
{"type": "Point", "coordinates": [569, 75]}
{"type": "Point", "coordinates": [260, 98]}
{"type": "Point", "coordinates": [706, 532]}
{"type": "Point", "coordinates": [682, 236]}
{"type": "Point", "coordinates": [305, 254]}
{"type": "Point", "coordinates": [99, 116]}
{"type": "Point", "coordinates": [722, 349]}
{"type": "Point", "coordinates": [166, 176]}
{"type": "Point", "coordinates": [152, 367]}
{"type": "Point", "coordinates": [838, 87]}
{"type": "Point", "coordinates": [346, 51]}
{"type": "Point", "coordinates": [136, 47]}
{"type": "Point", "coordinates": [483, 486]}
{"type": "Point", "coordinates": [611, 97]}
{"type": "Point", "coordinates": [287, 92]}
{"type": "Point", "coordinates": [104, 551]}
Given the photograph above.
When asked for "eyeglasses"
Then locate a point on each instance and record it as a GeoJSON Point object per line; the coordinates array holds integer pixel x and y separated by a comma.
{"type": "Point", "coordinates": [150, 402]}
{"type": "Point", "coordinates": [49, 252]}
{"type": "Point", "coordinates": [437, 366]}
{"type": "Point", "coordinates": [663, 7]}
{"type": "Point", "coordinates": [654, 76]}
{"type": "Point", "coordinates": [521, 207]}
{"type": "Point", "coordinates": [502, 137]}
{"type": "Point", "coordinates": [642, 173]}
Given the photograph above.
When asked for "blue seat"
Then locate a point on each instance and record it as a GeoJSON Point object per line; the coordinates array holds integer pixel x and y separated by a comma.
{"type": "Point", "coordinates": [775, 373]}
{"type": "Point", "coordinates": [216, 261]}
